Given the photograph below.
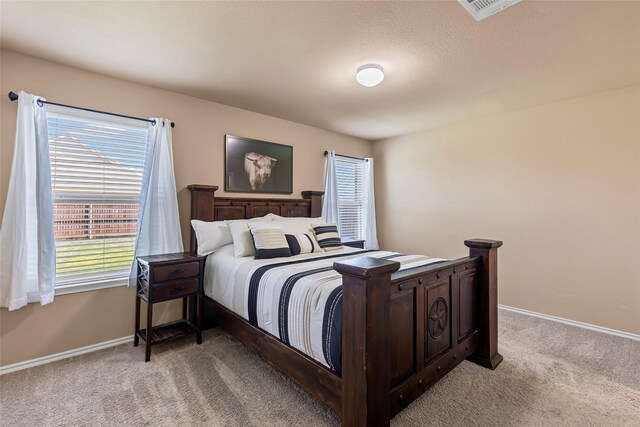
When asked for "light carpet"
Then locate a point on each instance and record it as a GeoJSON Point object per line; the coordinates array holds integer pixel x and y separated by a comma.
{"type": "Point", "coordinates": [552, 375]}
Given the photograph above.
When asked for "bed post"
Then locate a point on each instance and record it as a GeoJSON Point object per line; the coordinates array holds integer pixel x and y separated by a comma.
{"type": "Point", "coordinates": [316, 202]}
{"type": "Point", "coordinates": [366, 286]}
{"type": "Point", "coordinates": [487, 354]}
{"type": "Point", "coordinates": [201, 206]}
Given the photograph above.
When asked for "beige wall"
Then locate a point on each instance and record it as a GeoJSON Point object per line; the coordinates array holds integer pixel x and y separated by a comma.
{"type": "Point", "coordinates": [559, 184]}
{"type": "Point", "coordinates": [86, 318]}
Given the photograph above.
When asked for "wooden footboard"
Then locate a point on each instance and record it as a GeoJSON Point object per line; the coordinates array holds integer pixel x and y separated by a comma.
{"type": "Point", "coordinates": [403, 331]}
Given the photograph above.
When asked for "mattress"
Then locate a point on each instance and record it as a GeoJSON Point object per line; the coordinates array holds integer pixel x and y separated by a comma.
{"type": "Point", "coordinates": [297, 299]}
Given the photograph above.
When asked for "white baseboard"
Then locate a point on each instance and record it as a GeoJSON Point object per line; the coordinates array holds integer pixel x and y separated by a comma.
{"type": "Point", "coordinates": [64, 355]}
{"type": "Point", "coordinates": [124, 340]}
{"type": "Point", "coordinates": [589, 326]}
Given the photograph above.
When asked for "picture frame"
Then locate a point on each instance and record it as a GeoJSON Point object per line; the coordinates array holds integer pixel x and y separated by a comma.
{"type": "Point", "coordinates": [255, 166]}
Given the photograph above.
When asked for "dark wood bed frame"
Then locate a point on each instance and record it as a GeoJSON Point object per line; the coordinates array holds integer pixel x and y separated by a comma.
{"type": "Point", "coordinates": [402, 331]}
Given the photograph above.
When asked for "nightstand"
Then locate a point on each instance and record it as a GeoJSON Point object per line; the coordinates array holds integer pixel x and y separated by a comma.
{"type": "Point", "coordinates": [354, 243]}
{"type": "Point", "coordinates": [163, 278]}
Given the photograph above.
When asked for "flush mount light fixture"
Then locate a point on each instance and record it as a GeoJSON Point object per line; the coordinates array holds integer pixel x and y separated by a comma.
{"type": "Point", "coordinates": [370, 75]}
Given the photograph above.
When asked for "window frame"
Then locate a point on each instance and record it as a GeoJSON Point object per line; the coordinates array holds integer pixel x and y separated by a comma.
{"type": "Point", "coordinates": [101, 280]}
{"type": "Point", "coordinates": [362, 203]}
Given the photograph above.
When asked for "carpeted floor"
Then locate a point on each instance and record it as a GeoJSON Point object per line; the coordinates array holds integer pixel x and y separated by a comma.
{"type": "Point", "coordinates": [552, 375]}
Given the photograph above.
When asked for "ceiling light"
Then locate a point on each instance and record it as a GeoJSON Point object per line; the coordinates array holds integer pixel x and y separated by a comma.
{"type": "Point", "coordinates": [370, 75]}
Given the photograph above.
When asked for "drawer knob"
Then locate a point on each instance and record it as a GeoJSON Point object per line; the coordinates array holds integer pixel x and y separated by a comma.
{"type": "Point", "coordinates": [437, 275]}
{"type": "Point", "coordinates": [455, 270]}
{"type": "Point", "coordinates": [401, 397]}
{"type": "Point", "coordinates": [178, 271]}
{"type": "Point", "coordinates": [420, 281]}
{"type": "Point", "coordinates": [400, 286]}
{"type": "Point", "coordinates": [438, 368]}
{"type": "Point", "coordinates": [420, 383]}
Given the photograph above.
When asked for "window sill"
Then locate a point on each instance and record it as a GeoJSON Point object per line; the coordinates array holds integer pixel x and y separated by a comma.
{"type": "Point", "coordinates": [91, 285]}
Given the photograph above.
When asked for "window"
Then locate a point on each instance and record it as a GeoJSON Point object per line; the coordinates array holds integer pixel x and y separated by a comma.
{"type": "Point", "coordinates": [351, 197]}
{"type": "Point", "coordinates": [96, 171]}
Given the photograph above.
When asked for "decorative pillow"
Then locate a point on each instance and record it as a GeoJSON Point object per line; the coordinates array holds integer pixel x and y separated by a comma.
{"type": "Point", "coordinates": [211, 235]}
{"type": "Point", "coordinates": [242, 242]}
{"type": "Point", "coordinates": [269, 243]}
{"type": "Point", "coordinates": [327, 236]}
{"type": "Point", "coordinates": [302, 243]}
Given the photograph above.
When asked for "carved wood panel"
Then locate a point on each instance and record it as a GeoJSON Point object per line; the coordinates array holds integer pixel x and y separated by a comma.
{"type": "Point", "coordinates": [229, 212]}
{"type": "Point", "coordinates": [467, 301]}
{"type": "Point", "coordinates": [438, 319]}
{"type": "Point", "coordinates": [293, 211]}
{"type": "Point", "coordinates": [402, 333]}
{"type": "Point", "coordinates": [253, 211]}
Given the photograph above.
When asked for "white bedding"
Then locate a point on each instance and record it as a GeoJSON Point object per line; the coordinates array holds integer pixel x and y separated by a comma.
{"type": "Point", "coordinates": [296, 299]}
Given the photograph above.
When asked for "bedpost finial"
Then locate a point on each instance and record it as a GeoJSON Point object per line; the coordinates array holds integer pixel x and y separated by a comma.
{"type": "Point", "coordinates": [483, 243]}
{"type": "Point", "coordinates": [202, 187]}
{"type": "Point", "coordinates": [366, 267]}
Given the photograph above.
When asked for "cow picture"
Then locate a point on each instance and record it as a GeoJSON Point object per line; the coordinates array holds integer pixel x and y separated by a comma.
{"type": "Point", "coordinates": [258, 168]}
{"type": "Point", "coordinates": [255, 166]}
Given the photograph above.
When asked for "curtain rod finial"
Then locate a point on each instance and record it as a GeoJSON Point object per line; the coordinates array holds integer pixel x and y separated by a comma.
{"type": "Point", "coordinates": [12, 96]}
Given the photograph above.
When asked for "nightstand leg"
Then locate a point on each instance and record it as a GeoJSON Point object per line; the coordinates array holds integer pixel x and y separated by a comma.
{"type": "Point", "coordinates": [149, 331]}
{"type": "Point", "coordinates": [184, 307]}
{"type": "Point", "coordinates": [136, 338]}
{"type": "Point", "coordinates": [199, 319]}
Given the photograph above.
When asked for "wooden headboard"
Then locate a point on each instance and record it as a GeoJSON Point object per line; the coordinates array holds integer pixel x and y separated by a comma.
{"type": "Point", "coordinates": [206, 207]}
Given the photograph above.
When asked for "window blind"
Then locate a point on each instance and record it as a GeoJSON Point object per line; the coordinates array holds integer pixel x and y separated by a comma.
{"type": "Point", "coordinates": [96, 173]}
{"type": "Point", "coordinates": [350, 177]}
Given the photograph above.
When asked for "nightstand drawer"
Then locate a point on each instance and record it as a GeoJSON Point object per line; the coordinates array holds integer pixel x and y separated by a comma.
{"type": "Point", "coordinates": [174, 289]}
{"type": "Point", "coordinates": [176, 271]}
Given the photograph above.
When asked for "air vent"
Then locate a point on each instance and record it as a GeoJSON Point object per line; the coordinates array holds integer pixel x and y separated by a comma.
{"type": "Point", "coordinates": [481, 9]}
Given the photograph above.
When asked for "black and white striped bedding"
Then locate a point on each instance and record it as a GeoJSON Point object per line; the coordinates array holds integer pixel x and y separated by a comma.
{"type": "Point", "coordinates": [296, 299]}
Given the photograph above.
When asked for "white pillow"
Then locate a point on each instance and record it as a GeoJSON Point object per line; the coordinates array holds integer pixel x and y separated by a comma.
{"type": "Point", "coordinates": [297, 225]}
{"type": "Point", "coordinates": [211, 235]}
{"type": "Point", "coordinates": [272, 217]}
{"type": "Point", "coordinates": [242, 242]}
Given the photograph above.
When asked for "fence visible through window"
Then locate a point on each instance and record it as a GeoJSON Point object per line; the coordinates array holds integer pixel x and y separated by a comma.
{"type": "Point", "coordinates": [97, 164]}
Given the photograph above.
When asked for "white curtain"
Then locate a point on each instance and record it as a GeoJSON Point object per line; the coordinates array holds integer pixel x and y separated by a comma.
{"type": "Point", "coordinates": [158, 220]}
{"type": "Point", "coordinates": [330, 202]}
{"type": "Point", "coordinates": [27, 240]}
{"type": "Point", "coordinates": [369, 212]}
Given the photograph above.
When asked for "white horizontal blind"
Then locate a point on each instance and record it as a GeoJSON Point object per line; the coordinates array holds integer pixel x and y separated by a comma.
{"type": "Point", "coordinates": [96, 171]}
{"type": "Point", "coordinates": [350, 177]}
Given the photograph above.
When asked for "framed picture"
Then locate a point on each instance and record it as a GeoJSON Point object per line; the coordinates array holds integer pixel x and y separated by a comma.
{"type": "Point", "coordinates": [254, 166]}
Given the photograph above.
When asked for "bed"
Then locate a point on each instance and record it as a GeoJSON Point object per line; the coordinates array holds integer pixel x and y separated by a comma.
{"type": "Point", "coordinates": [405, 321]}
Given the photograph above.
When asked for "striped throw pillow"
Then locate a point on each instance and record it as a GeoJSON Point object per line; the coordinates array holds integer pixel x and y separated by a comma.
{"type": "Point", "coordinates": [269, 243]}
{"type": "Point", "coordinates": [327, 236]}
{"type": "Point", "coordinates": [302, 243]}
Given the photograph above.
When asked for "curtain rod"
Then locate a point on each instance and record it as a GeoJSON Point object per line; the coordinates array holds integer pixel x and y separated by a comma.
{"type": "Point", "coordinates": [348, 157]}
{"type": "Point", "coordinates": [13, 97]}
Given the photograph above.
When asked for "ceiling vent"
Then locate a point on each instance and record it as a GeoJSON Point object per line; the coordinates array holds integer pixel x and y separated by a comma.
{"type": "Point", "coordinates": [481, 9]}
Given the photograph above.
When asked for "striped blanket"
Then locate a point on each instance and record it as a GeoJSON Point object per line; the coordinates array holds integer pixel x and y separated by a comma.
{"type": "Point", "coordinates": [297, 299]}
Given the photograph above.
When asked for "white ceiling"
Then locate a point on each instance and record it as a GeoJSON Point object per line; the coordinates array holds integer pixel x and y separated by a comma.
{"type": "Point", "coordinates": [297, 60]}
